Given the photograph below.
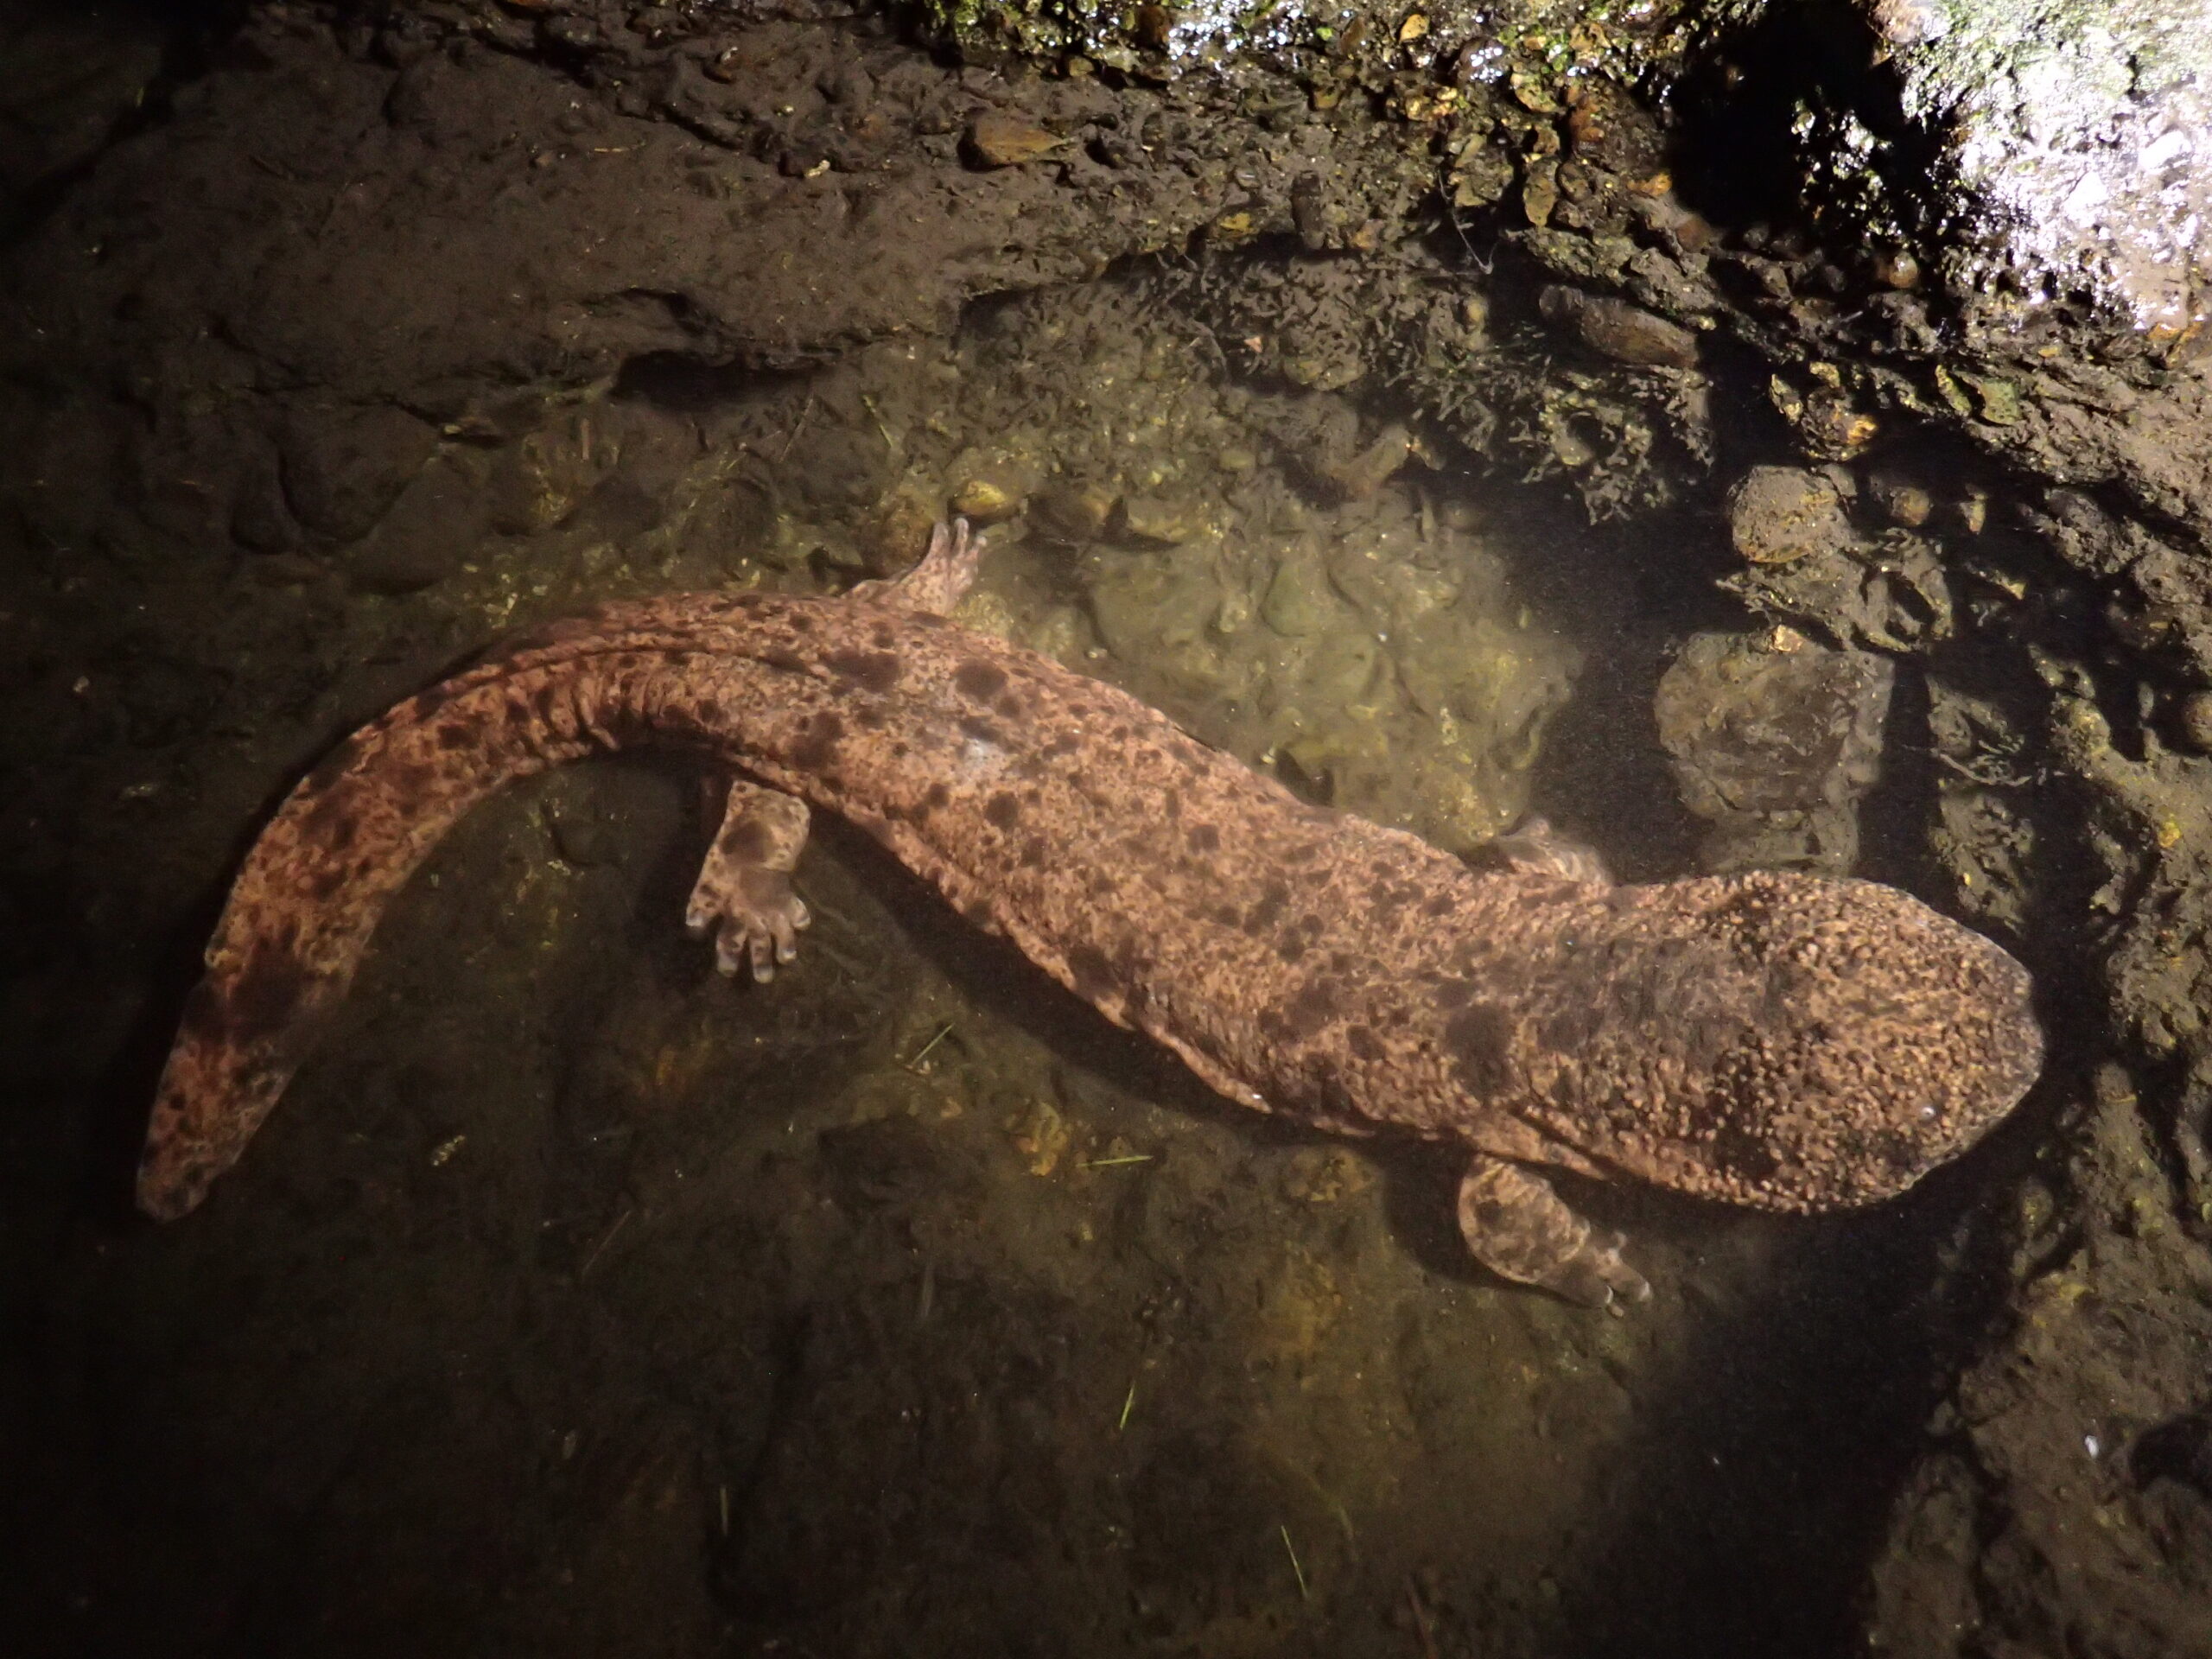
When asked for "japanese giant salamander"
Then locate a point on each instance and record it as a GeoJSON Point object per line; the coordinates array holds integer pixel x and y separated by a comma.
{"type": "Point", "coordinates": [1778, 1041]}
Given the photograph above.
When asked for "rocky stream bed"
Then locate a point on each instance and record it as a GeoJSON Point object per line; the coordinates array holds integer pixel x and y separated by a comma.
{"type": "Point", "coordinates": [1745, 435]}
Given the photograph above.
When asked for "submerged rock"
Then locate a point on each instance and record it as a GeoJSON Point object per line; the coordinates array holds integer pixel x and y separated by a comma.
{"type": "Point", "coordinates": [1805, 563]}
{"type": "Point", "coordinates": [1779, 514]}
{"type": "Point", "coordinates": [1773, 739]}
{"type": "Point", "coordinates": [1906, 503]}
{"type": "Point", "coordinates": [2192, 722]}
{"type": "Point", "coordinates": [1152, 521]}
{"type": "Point", "coordinates": [1614, 328]}
{"type": "Point", "coordinates": [1002, 141]}
{"type": "Point", "coordinates": [343, 468]}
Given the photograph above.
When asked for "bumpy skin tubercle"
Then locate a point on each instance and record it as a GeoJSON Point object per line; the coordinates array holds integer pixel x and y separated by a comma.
{"type": "Point", "coordinates": [1770, 1039]}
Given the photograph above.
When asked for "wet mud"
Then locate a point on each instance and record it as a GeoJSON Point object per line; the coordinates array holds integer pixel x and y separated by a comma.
{"type": "Point", "coordinates": [1430, 455]}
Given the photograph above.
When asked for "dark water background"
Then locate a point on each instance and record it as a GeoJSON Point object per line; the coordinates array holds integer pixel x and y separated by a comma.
{"type": "Point", "coordinates": [577, 1300]}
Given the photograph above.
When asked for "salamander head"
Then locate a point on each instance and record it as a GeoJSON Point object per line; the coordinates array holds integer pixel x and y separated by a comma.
{"type": "Point", "coordinates": [1796, 1043]}
{"type": "Point", "coordinates": [1892, 1039]}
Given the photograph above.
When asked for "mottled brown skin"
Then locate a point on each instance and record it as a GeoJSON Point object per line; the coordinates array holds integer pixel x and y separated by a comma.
{"type": "Point", "coordinates": [1776, 1040]}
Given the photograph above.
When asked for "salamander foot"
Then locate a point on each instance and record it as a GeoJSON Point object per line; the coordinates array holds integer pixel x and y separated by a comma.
{"type": "Point", "coordinates": [744, 896]}
{"type": "Point", "coordinates": [1520, 1229]}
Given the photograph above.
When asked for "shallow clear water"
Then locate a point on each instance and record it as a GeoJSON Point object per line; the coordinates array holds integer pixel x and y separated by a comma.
{"type": "Point", "coordinates": [577, 1298]}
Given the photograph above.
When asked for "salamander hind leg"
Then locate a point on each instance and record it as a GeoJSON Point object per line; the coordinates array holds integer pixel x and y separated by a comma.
{"type": "Point", "coordinates": [744, 896]}
{"type": "Point", "coordinates": [1520, 1229]}
{"type": "Point", "coordinates": [936, 584]}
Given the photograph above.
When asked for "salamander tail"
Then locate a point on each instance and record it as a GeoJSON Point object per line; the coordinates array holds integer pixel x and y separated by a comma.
{"type": "Point", "coordinates": [301, 914]}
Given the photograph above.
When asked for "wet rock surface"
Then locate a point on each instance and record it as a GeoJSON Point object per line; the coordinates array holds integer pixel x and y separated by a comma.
{"type": "Point", "coordinates": [2066, 164]}
{"type": "Point", "coordinates": [1392, 404]}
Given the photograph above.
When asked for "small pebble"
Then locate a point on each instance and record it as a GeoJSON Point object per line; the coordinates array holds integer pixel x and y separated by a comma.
{"type": "Point", "coordinates": [1079, 510]}
{"type": "Point", "coordinates": [1625, 333]}
{"type": "Point", "coordinates": [1360, 475]}
{"type": "Point", "coordinates": [1003, 141]}
{"type": "Point", "coordinates": [1832, 427]}
{"type": "Point", "coordinates": [1896, 268]}
{"type": "Point", "coordinates": [2192, 722]}
{"type": "Point", "coordinates": [1905, 502]}
{"type": "Point", "coordinates": [1776, 514]}
{"type": "Point", "coordinates": [1149, 519]}
{"type": "Point", "coordinates": [1907, 22]}
{"type": "Point", "coordinates": [991, 497]}
{"type": "Point", "coordinates": [1474, 317]}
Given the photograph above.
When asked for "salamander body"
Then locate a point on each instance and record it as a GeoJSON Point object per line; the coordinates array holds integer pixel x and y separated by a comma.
{"type": "Point", "coordinates": [1771, 1039]}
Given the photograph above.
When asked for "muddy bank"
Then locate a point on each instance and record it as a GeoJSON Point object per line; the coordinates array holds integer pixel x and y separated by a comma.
{"type": "Point", "coordinates": [1451, 455]}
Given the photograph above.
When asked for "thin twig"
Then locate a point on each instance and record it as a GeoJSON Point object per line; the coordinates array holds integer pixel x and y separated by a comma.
{"type": "Point", "coordinates": [799, 427]}
{"type": "Point", "coordinates": [915, 1065]}
{"type": "Point", "coordinates": [875, 415]}
{"type": "Point", "coordinates": [1304, 1594]}
{"type": "Point", "coordinates": [620, 1221]}
{"type": "Point", "coordinates": [1423, 1626]}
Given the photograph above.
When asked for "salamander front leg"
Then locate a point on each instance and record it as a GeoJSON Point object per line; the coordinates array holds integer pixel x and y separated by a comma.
{"type": "Point", "coordinates": [1520, 1229]}
{"type": "Point", "coordinates": [936, 583]}
{"type": "Point", "coordinates": [743, 896]}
